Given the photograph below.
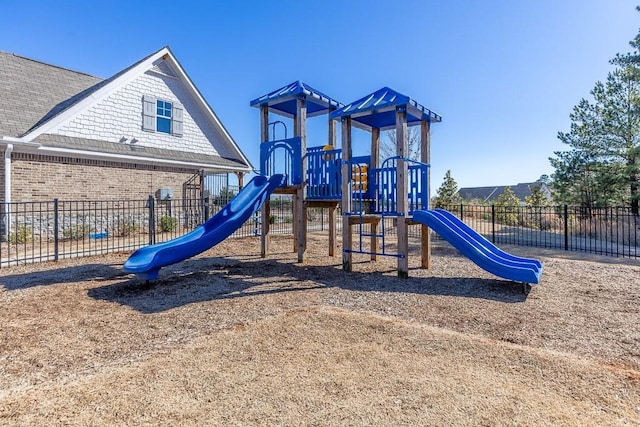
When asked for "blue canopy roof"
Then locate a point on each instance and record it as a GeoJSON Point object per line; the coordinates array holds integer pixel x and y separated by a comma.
{"type": "Point", "coordinates": [378, 110]}
{"type": "Point", "coordinates": [283, 100]}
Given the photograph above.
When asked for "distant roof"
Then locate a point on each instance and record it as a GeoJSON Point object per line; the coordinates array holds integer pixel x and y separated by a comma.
{"type": "Point", "coordinates": [283, 100]}
{"type": "Point", "coordinates": [489, 194]}
{"type": "Point", "coordinates": [378, 109]}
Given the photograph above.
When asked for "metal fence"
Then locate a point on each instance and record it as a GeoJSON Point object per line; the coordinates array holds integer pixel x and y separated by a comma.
{"type": "Point", "coordinates": [53, 230]}
{"type": "Point", "coordinates": [609, 231]}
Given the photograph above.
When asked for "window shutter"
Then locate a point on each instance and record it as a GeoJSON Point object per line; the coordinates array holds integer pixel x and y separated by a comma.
{"type": "Point", "coordinates": [177, 120]}
{"type": "Point", "coordinates": [148, 113]}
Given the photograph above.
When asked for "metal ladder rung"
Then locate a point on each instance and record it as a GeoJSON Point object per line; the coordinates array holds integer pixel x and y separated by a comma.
{"type": "Point", "coordinates": [371, 235]}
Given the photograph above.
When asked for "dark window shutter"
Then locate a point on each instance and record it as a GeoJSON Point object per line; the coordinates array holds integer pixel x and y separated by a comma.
{"type": "Point", "coordinates": [177, 120]}
{"type": "Point", "coordinates": [148, 113]}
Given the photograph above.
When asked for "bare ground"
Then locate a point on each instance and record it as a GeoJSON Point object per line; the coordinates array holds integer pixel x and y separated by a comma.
{"type": "Point", "coordinates": [230, 338]}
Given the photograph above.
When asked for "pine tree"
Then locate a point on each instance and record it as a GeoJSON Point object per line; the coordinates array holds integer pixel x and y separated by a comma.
{"type": "Point", "coordinates": [447, 195]}
{"type": "Point", "coordinates": [537, 198]}
{"type": "Point", "coordinates": [603, 166]}
{"type": "Point", "coordinates": [507, 207]}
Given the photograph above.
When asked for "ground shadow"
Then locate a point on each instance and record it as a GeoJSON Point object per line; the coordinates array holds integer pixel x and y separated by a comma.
{"type": "Point", "coordinates": [207, 279]}
{"type": "Point", "coordinates": [56, 276]}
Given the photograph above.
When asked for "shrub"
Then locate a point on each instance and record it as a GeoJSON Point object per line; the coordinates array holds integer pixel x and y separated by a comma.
{"type": "Point", "coordinates": [21, 234]}
{"type": "Point", "coordinates": [272, 219]}
{"type": "Point", "coordinates": [125, 228]}
{"type": "Point", "coordinates": [76, 232]}
{"type": "Point", "coordinates": [168, 224]}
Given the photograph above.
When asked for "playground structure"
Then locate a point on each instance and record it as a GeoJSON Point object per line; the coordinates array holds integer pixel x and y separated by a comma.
{"type": "Point", "coordinates": [366, 188]}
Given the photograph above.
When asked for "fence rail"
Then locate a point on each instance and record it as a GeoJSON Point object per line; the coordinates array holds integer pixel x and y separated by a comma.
{"type": "Point", "coordinates": [53, 230]}
{"type": "Point", "coordinates": [611, 231]}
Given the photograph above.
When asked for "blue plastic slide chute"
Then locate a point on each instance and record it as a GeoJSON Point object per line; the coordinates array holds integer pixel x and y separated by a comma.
{"type": "Point", "coordinates": [146, 262]}
{"type": "Point", "coordinates": [478, 249]}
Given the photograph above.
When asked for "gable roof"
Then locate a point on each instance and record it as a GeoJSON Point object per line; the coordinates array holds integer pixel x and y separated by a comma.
{"type": "Point", "coordinates": [31, 90]}
{"type": "Point", "coordinates": [378, 109]}
{"type": "Point", "coordinates": [42, 96]}
{"type": "Point", "coordinates": [489, 194]}
{"type": "Point", "coordinates": [283, 100]}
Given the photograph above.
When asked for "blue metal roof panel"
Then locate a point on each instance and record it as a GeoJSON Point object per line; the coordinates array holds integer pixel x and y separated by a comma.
{"type": "Point", "coordinates": [283, 99]}
{"type": "Point", "coordinates": [378, 110]}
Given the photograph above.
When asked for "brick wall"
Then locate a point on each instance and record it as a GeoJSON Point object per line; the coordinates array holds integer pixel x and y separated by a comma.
{"type": "Point", "coordinates": [42, 178]}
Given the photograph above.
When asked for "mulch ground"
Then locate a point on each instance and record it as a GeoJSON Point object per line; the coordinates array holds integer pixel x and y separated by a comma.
{"type": "Point", "coordinates": [229, 338]}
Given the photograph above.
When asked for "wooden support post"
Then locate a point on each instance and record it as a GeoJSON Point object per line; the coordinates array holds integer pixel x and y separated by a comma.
{"type": "Point", "coordinates": [402, 191]}
{"type": "Point", "coordinates": [240, 176]}
{"type": "Point", "coordinates": [301, 194]}
{"type": "Point", "coordinates": [332, 133]}
{"type": "Point", "coordinates": [347, 239]}
{"type": "Point", "coordinates": [294, 222]}
{"type": "Point", "coordinates": [425, 157]}
{"type": "Point", "coordinates": [266, 208]}
{"type": "Point", "coordinates": [333, 242]}
{"type": "Point", "coordinates": [375, 161]}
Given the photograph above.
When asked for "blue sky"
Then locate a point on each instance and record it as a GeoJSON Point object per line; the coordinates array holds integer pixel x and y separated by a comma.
{"type": "Point", "coordinates": [504, 74]}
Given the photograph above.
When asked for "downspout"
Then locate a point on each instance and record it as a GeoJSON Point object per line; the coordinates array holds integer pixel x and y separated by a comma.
{"type": "Point", "coordinates": [7, 189]}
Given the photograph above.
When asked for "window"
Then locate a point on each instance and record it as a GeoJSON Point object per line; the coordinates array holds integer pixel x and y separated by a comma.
{"type": "Point", "coordinates": [163, 116]}
{"type": "Point", "coordinates": [159, 115]}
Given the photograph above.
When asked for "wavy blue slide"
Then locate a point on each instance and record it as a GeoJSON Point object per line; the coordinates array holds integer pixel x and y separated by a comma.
{"type": "Point", "coordinates": [146, 262]}
{"type": "Point", "coordinates": [478, 249]}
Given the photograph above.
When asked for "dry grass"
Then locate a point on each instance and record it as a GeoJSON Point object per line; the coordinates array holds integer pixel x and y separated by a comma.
{"type": "Point", "coordinates": [233, 339]}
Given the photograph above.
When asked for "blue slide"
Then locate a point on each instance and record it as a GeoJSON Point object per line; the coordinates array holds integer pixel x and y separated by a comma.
{"type": "Point", "coordinates": [478, 249]}
{"type": "Point", "coordinates": [146, 262]}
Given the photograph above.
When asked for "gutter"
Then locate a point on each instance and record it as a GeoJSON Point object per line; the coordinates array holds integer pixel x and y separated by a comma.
{"type": "Point", "coordinates": [7, 189]}
{"type": "Point", "coordinates": [136, 159]}
{"type": "Point", "coordinates": [93, 155]}
{"type": "Point", "coordinates": [7, 174]}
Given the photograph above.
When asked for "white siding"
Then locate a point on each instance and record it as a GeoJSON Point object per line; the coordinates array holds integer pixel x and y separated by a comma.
{"type": "Point", "coordinates": [120, 115]}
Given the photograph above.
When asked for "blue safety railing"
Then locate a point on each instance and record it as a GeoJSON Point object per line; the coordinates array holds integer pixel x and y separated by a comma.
{"type": "Point", "coordinates": [282, 157]}
{"type": "Point", "coordinates": [386, 186]}
{"type": "Point", "coordinates": [361, 185]}
{"type": "Point", "coordinates": [323, 175]}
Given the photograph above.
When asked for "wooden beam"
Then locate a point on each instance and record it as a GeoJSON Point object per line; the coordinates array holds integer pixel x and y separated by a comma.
{"type": "Point", "coordinates": [333, 241]}
{"type": "Point", "coordinates": [331, 140]}
{"type": "Point", "coordinates": [425, 157]}
{"type": "Point", "coordinates": [301, 211]}
{"type": "Point", "coordinates": [401, 196]}
{"type": "Point", "coordinates": [365, 219]}
{"type": "Point", "coordinates": [347, 240]}
{"type": "Point", "coordinates": [375, 162]}
{"type": "Point", "coordinates": [266, 208]}
{"type": "Point", "coordinates": [240, 176]}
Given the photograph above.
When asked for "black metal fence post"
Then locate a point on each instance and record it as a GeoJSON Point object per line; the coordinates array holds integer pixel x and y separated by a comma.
{"type": "Point", "coordinates": [566, 228]}
{"type": "Point", "coordinates": [493, 224]}
{"type": "Point", "coordinates": [152, 220]}
{"type": "Point", "coordinates": [207, 208]}
{"type": "Point", "coordinates": [56, 237]}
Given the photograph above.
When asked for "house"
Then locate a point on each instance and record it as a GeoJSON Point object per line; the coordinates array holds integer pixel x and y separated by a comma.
{"type": "Point", "coordinates": [146, 130]}
{"type": "Point", "coordinates": [491, 194]}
